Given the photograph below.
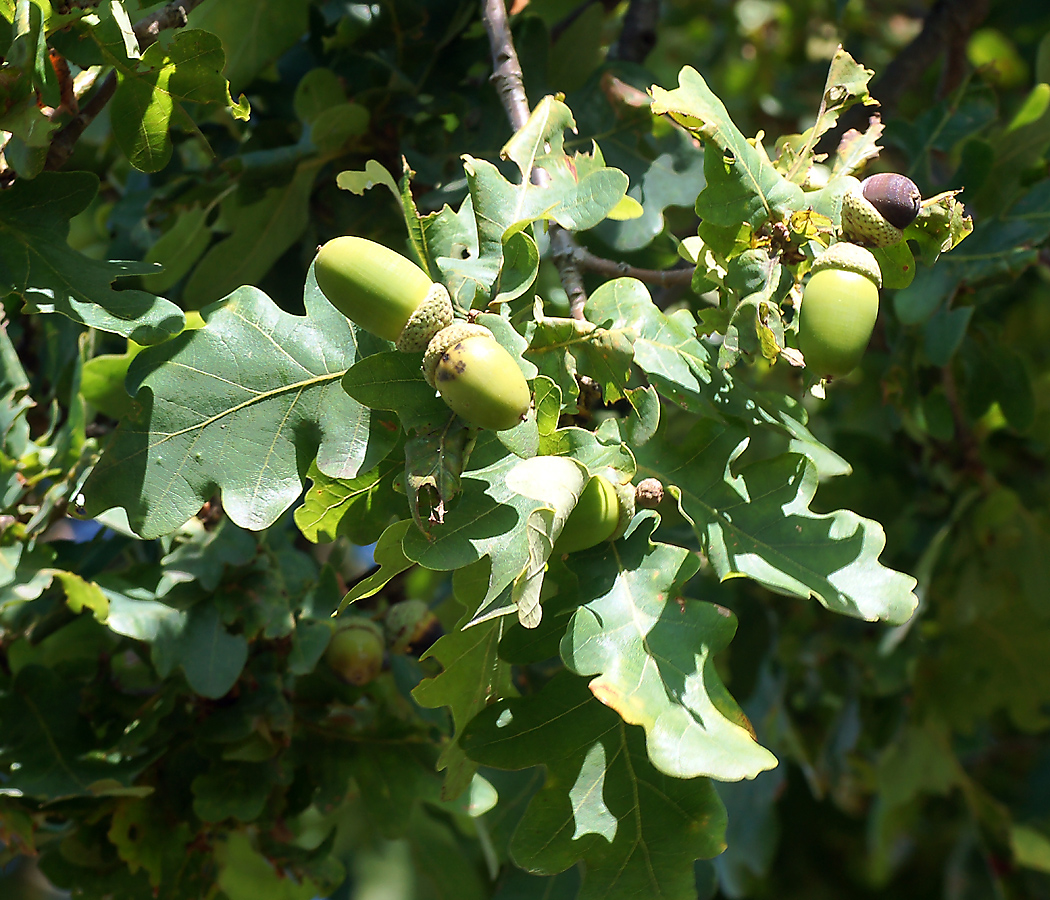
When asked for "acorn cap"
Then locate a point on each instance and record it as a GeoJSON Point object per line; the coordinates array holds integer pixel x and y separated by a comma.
{"type": "Point", "coordinates": [864, 223]}
{"type": "Point", "coordinates": [445, 338]}
{"type": "Point", "coordinates": [851, 258]}
{"type": "Point", "coordinates": [433, 314]}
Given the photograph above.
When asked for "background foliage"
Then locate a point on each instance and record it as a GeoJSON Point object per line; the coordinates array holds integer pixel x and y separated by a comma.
{"type": "Point", "coordinates": [190, 488]}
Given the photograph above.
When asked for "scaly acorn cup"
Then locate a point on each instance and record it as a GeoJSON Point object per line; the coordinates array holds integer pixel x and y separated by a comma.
{"type": "Point", "coordinates": [382, 292]}
{"type": "Point", "coordinates": [476, 377]}
{"type": "Point", "coordinates": [875, 211]}
{"type": "Point", "coordinates": [840, 304]}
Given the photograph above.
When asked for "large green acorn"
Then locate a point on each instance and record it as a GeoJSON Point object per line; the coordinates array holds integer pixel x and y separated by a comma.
{"type": "Point", "coordinates": [382, 292]}
{"type": "Point", "coordinates": [477, 377]}
{"type": "Point", "coordinates": [840, 304]}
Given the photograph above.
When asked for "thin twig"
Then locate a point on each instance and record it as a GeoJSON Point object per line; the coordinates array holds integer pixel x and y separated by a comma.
{"type": "Point", "coordinates": [174, 15]}
{"type": "Point", "coordinates": [583, 258]}
{"type": "Point", "coordinates": [506, 70]}
{"type": "Point", "coordinates": [62, 146]}
{"type": "Point", "coordinates": [563, 252]}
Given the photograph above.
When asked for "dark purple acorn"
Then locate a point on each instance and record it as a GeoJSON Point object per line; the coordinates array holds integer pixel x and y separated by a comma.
{"type": "Point", "coordinates": [895, 197]}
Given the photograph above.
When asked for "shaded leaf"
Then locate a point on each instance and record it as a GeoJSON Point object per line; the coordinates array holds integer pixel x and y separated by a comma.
{"type": "Point", "coordinates": [38, 265]}
{"type": "Point", "coordinates": [261, 231]}
{"type": "Point", "coordinates": [252, 34]}
{"type": "Point", "coordinates": [473, 676]}
{"type": "Point", "coordinates": [636, 830]}
{"type": "Point", "coordinates": [58, 754]}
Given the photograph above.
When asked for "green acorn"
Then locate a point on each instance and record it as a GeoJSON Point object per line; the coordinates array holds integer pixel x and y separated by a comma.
{"type": "Point", "coordinates": [355, 652]}
{"type": "Point", "coordinates": [476, 377]}
{"type": "Point", "coordinates": [382, 292]}
{"type": "Point", "coordinates": [602, 513]}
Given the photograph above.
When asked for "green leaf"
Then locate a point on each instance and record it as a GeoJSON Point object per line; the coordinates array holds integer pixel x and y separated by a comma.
{"type": "Point", "coordinates": [846, 85]}
{"type": "Point", "coordinates": [488, 519]}
{"type": "Point", "coordinates": [253, 34]}
{"type": "Point", "coordinates": [359, 508]}
{"type": "Point", "coordinates": [1031, 848]}
{"type": "Point", "coordinates": [755, 521]}
{"type": "Point", "coordinates": [261, 231]}
{"type": "Point", "coordinates": [578, 193]}
{"type": "Point", "coordinates": [81, 595]}
{"type": "Point", "coordinates": [38, 265]}
{"type": "Point", "coordinates": [145, 840]}
{"type": "Point", "coordinates": [742, 184]}
{"type": "Point", "coordinates": [211, 657]}
{"type": "Point", "coordinates": [233, 791]}
{"type": "Point", "coordinates": [394, 381]}
{"type": "Point", "coordinates": [24, 573]}
{"type": "Point", "coordinates": [681, 369]}
{"type": "Point", "coordinates": [390, 558]}
{"type": "Point", "coordinates": [309, 642]}
{"type": "Point", "coordinates": [636, 830]}
{"type": "Point", "coordinates": [670, 180]}
{"type": "Point", "coordinates": [653, 653]}
{"type": "Point", "coordinates": [1005, 246]}
{"type": "Point", "coordinates": [178, 249]}
{"type": "Point", "coordinates": [57, 752]}
{"type": "Point", "coordinates": [151, 95]}
{"type": "Point", "coordinates": [564, 348]}
{"type": "Point", "coordinates": [203, 555]}
{"type": "Point", "coordinates": [473, 676]}
{"type": "Point", "coordinates": [266, 400]}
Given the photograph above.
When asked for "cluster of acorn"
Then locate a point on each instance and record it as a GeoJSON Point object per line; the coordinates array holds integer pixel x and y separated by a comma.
{"type": "Point", "coordinates": [390, 296]}
{"type": "Point", "coordinates": [840, 302]}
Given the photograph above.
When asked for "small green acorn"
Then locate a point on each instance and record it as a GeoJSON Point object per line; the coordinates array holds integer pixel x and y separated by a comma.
{"type": "Point", "coordinates": [875, 211]}
{"type": "Point", "coordinates": [602, 513]}
{"type": "Point", "coordinates": [382, 292]}
{"type": "Point", "coordinates": [476, 377]}
{"type": "Point", "coordinates": [355, 652]}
